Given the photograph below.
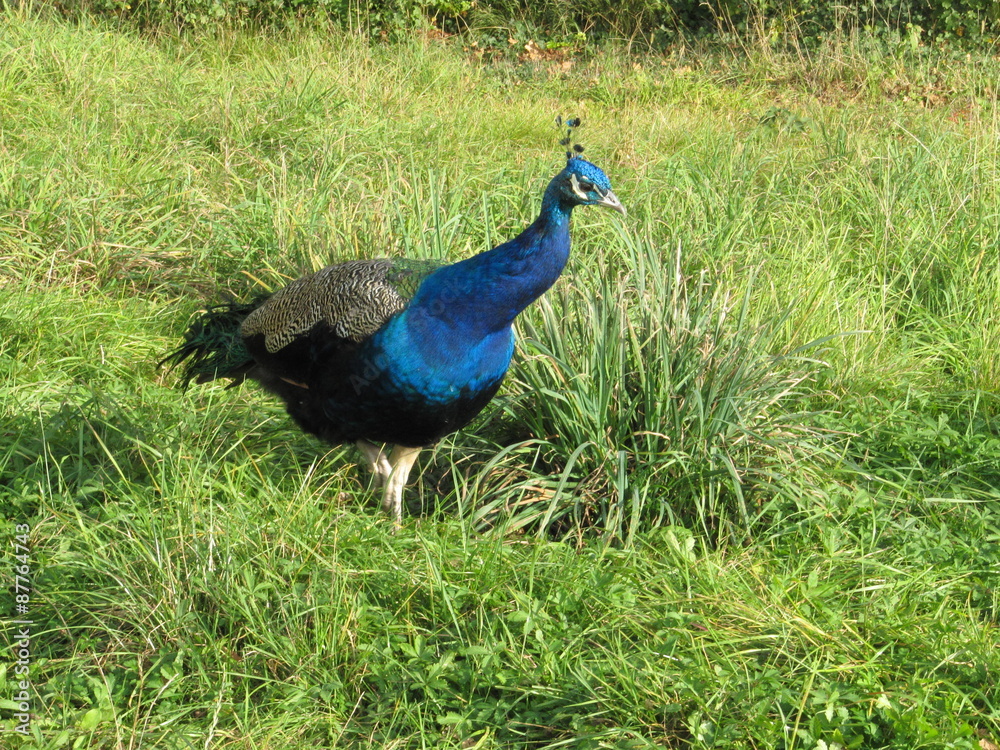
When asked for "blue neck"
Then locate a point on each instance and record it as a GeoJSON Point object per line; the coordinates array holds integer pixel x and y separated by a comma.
{"type": "Point", "coordinates": [483, 294]}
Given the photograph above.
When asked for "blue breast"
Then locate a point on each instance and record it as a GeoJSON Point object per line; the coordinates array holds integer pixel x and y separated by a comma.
{"type": "Point", "coordinates": [408, 386]}
{"type": "Point", "coordinates": [420, 355]}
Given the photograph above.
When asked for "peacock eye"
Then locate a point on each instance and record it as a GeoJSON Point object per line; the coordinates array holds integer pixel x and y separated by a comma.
{"type": "Point", "coordinates": [586, 186]}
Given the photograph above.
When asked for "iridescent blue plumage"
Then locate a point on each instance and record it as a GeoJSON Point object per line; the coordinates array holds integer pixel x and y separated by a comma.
{"type": "Point", "coordinates": [394, 351]}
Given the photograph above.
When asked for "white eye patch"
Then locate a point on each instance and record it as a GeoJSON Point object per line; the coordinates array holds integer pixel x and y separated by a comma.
{"type": "Point", "coordinates": [575, 184]}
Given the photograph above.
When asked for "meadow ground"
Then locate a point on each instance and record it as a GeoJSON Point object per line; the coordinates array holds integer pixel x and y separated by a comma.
{"type": "Point", "coordinates": [740, 490]}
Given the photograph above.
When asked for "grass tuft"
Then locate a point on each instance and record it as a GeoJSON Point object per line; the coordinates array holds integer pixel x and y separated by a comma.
{"type": "Point", "coordinates": [654, 401]}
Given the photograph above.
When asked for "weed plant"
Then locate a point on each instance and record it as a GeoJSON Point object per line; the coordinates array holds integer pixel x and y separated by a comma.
{"type": "Point", "coordinates": [740, 490]}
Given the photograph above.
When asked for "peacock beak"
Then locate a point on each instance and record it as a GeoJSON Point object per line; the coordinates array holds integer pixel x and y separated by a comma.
{"type": "Point", "coordinates": [610, 200]}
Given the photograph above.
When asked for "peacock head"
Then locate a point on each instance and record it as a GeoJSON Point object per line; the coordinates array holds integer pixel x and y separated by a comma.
{"type": "Point", "coordinates": [581, 183]}
{"type": "Point", "coordinates": [584, 184]}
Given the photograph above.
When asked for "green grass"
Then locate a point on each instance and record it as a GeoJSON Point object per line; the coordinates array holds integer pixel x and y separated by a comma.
{"type": "Point", "coordinates": [741, 487]}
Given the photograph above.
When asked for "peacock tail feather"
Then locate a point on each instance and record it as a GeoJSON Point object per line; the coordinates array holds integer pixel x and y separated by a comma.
{"type": "Point", "coordinates": [213, 346]}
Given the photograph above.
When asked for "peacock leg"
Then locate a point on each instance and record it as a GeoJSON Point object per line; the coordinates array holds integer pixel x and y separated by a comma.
{"type": "Point", "coordinates": [376, 460]}
{"type": "Point", "coordinates": [402, 460]}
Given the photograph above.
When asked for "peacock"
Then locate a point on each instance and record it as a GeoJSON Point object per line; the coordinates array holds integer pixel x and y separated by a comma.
{"type": "Point", "coordinates": [394, 351]}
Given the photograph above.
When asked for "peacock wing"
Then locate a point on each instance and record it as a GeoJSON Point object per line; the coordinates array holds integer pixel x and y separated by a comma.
{"type": "Point", "coordinates": [352, 300]}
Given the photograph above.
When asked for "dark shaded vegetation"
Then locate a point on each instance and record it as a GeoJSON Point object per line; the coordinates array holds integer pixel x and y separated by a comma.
{"type": "Point", "coordinates": [654, 22]}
